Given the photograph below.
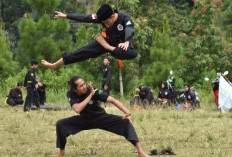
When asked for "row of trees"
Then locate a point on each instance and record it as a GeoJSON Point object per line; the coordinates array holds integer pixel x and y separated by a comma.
{"type": "Point", "coordinates": [190, 37]}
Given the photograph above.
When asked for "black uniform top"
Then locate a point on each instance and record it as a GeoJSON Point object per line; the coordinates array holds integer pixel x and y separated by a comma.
{"type": "Point", "coordinates": [164, 92]}
{"type": "Point", "coordinates": [189, 96]}
{"type": "Point", "coordinates": [30, 78]}
{"type": "Point", "coordinates": [121, 31]}
{"type": "Point", "coordinates": [107, 75]}
{"type": "Point", "coordinates": [42, 88]}
{"type": "Point", "coordinates": [93, 108]}
{"type": "Point", "coordinates": [15, 94]}
{"type": "Point", "coordinates": [145, 93]}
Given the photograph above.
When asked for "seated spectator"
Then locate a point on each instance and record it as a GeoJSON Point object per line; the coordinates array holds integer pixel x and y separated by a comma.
{"type": "Point", "coordinates": [15, 96]}
{"type": "Point", "coordinates": [164, 94]}
{"type": "Point", "coordinates": [145, 94]}
{"type": "Point", "coordinates": [135, 100]}
{"type": "Point", "coordinates": [189, 97]}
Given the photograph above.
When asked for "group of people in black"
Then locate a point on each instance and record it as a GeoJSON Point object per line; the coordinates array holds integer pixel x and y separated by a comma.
{"type": "Point", "coordinates": [83, 97]}
{"type": "Point", "coordinates": [166, 96]}
{"type": "Point", "coordinates": [36, 94]}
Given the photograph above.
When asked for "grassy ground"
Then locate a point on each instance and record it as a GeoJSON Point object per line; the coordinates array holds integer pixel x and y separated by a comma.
{"type": "Point", "coordinates": [203, 132]}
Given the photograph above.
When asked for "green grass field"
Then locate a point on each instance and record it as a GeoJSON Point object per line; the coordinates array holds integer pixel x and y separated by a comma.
{"type": "Point", "coordinates": [203, 132]}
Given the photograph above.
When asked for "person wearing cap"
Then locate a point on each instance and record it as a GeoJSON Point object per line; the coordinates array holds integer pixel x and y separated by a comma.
{"type": "Point", "coordinates": [116, 39]}
{"type": "Point", "coordinates": [15, 96]}
{"type": "Point", "coordinates": [84, 100]}
{"type": "Point", "coordinates": [189, 97]}
{"type": "Point", "coordinates": [30, 82]}
{"type": "Point", "coordinates": [107, 76]}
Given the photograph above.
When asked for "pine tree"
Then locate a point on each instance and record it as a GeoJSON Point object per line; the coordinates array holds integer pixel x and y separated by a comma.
{"type": "Point", "coordinates": [7, 65]}
{"type": "Point", "coordinates": [166, 53]}
{"type": "Point", "coordinates": [45, 39]}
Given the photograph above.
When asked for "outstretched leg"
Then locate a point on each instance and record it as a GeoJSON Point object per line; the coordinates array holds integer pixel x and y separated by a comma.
{"type": "Point", "coordinates": [66, 127]}
{"type": "Point", "coordinates": [123, 127]}
{"type": "Point", "coordinates": [92, 50]}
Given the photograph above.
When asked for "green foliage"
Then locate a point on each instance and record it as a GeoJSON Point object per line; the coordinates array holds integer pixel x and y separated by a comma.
{"type": "Point", "coordinates": [166, 53]}
{"type": "Point", "coordinates": [207, 47]}
{"type": "Point", "coordinates": [45, 39]}
{"type": "Point", "coordinates": [41, 7]}
{"type": "Point", "coordinates": [7, 65]}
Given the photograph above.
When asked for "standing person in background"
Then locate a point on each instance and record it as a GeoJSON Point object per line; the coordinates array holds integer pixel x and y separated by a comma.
{"type": "Point", "coordinates": [31, 83]}
{"type": "Point", "coordinates": [15, 96]}
{"type": "Point", "coordinates": [107, 76]}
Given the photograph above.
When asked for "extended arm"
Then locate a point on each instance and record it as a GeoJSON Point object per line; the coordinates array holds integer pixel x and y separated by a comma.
{"type": "Point", "coordinates": [78, 17]}
{"type": "Point", "coordinates": [121, 107]}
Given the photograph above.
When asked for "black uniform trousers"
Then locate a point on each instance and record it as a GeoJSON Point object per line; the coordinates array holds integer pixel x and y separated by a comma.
{"type": "Point", "coordinates": [108, 122]}
{"type": "Point", "coordinates": [32, 97]}
{"type": "Point", "coordinates": [94, 50]}
{"type": "Point", "coordinates": [14, 102]}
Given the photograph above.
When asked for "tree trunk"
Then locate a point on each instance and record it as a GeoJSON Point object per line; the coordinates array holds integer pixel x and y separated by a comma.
{"type": "Point", "coordinates": [121, 83]}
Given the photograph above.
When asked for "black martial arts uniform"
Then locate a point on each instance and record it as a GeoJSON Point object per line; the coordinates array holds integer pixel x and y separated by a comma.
{"type": "Point", "coordinates": [15, 97]}
{"type": "Point", "coordinates": [32, 94]}
{"type": "Point", "coordinates": [145, 94]}
{"type": "Point", "coordinates": [42, 94]}
{"type": "Point", "coordinates": [107, 75]}
{"type": "Point", "coordinates": [164, 94]}
{"type": "Point", "coordinates": [190, 97]}
{"type": "Point", "coordinates": [121, 31]}
{"type": "Point", "coordinates": [93, 116]}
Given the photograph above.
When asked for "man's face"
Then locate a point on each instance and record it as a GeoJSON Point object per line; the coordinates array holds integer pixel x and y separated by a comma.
{"type": "Point", "coordinates": [162, 85]}
{"type": "Point", "coordinates": [186, 88]}
{"type": "Point", "coordinates": [81, 86]}
{"type": "Point", "coordinates": [109, 22]}
{"type": "Point", "coordinates": [106, 62]}
{"type": "Point", "coordinates": [35, 66]}
{"type": "Point", "coordinates": [19, 87]}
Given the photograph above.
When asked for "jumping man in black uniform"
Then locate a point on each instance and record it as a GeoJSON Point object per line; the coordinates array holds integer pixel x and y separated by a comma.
{"type": "Point", "coordinates": [15, 96]}
{"type": "Point", "coordinates": [116, 38]}
{"type": "Point", "coordinates": [107, 75]}
{"type": "Point", "coordinates": [85, 101]}
{"type": "Point", "coordinates": [30, 82]}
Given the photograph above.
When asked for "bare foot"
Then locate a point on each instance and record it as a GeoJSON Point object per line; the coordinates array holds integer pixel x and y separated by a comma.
{"type": "Point", "coordinates": [103, 43]}
{"type": "Point", "coordinates": [48, 65]}
{"type": "Point", "coordinates": [60, 154]}
{"type": "Point", "coordinates": [143, 154]}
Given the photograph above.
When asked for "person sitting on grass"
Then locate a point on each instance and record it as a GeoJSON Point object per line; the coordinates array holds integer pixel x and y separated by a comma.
{"type": "Point", "coordinates": [145, 94]}
{"type": "Point", "coordinates": [189, 97]}
{"type": "Point", "coordinates": [164, 94]}
{"type": "Point", "coordinates": [85, 101]}
{"type": "Point", "coordinates": [15, 96]}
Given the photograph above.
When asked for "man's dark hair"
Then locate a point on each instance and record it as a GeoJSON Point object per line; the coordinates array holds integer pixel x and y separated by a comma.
{"type": "Point", "coordinates": [34, 62]}
{"type": "Point", "coordinates": [72, 83]}
{"type": "Point", "coordinates": [104, 12]}
{"type": "Point", "coordinates": [186, 84]}
{"type": "Point", "coordinates": [108, 58]}
{"type": "Point", "coordinates": [19, 84]}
